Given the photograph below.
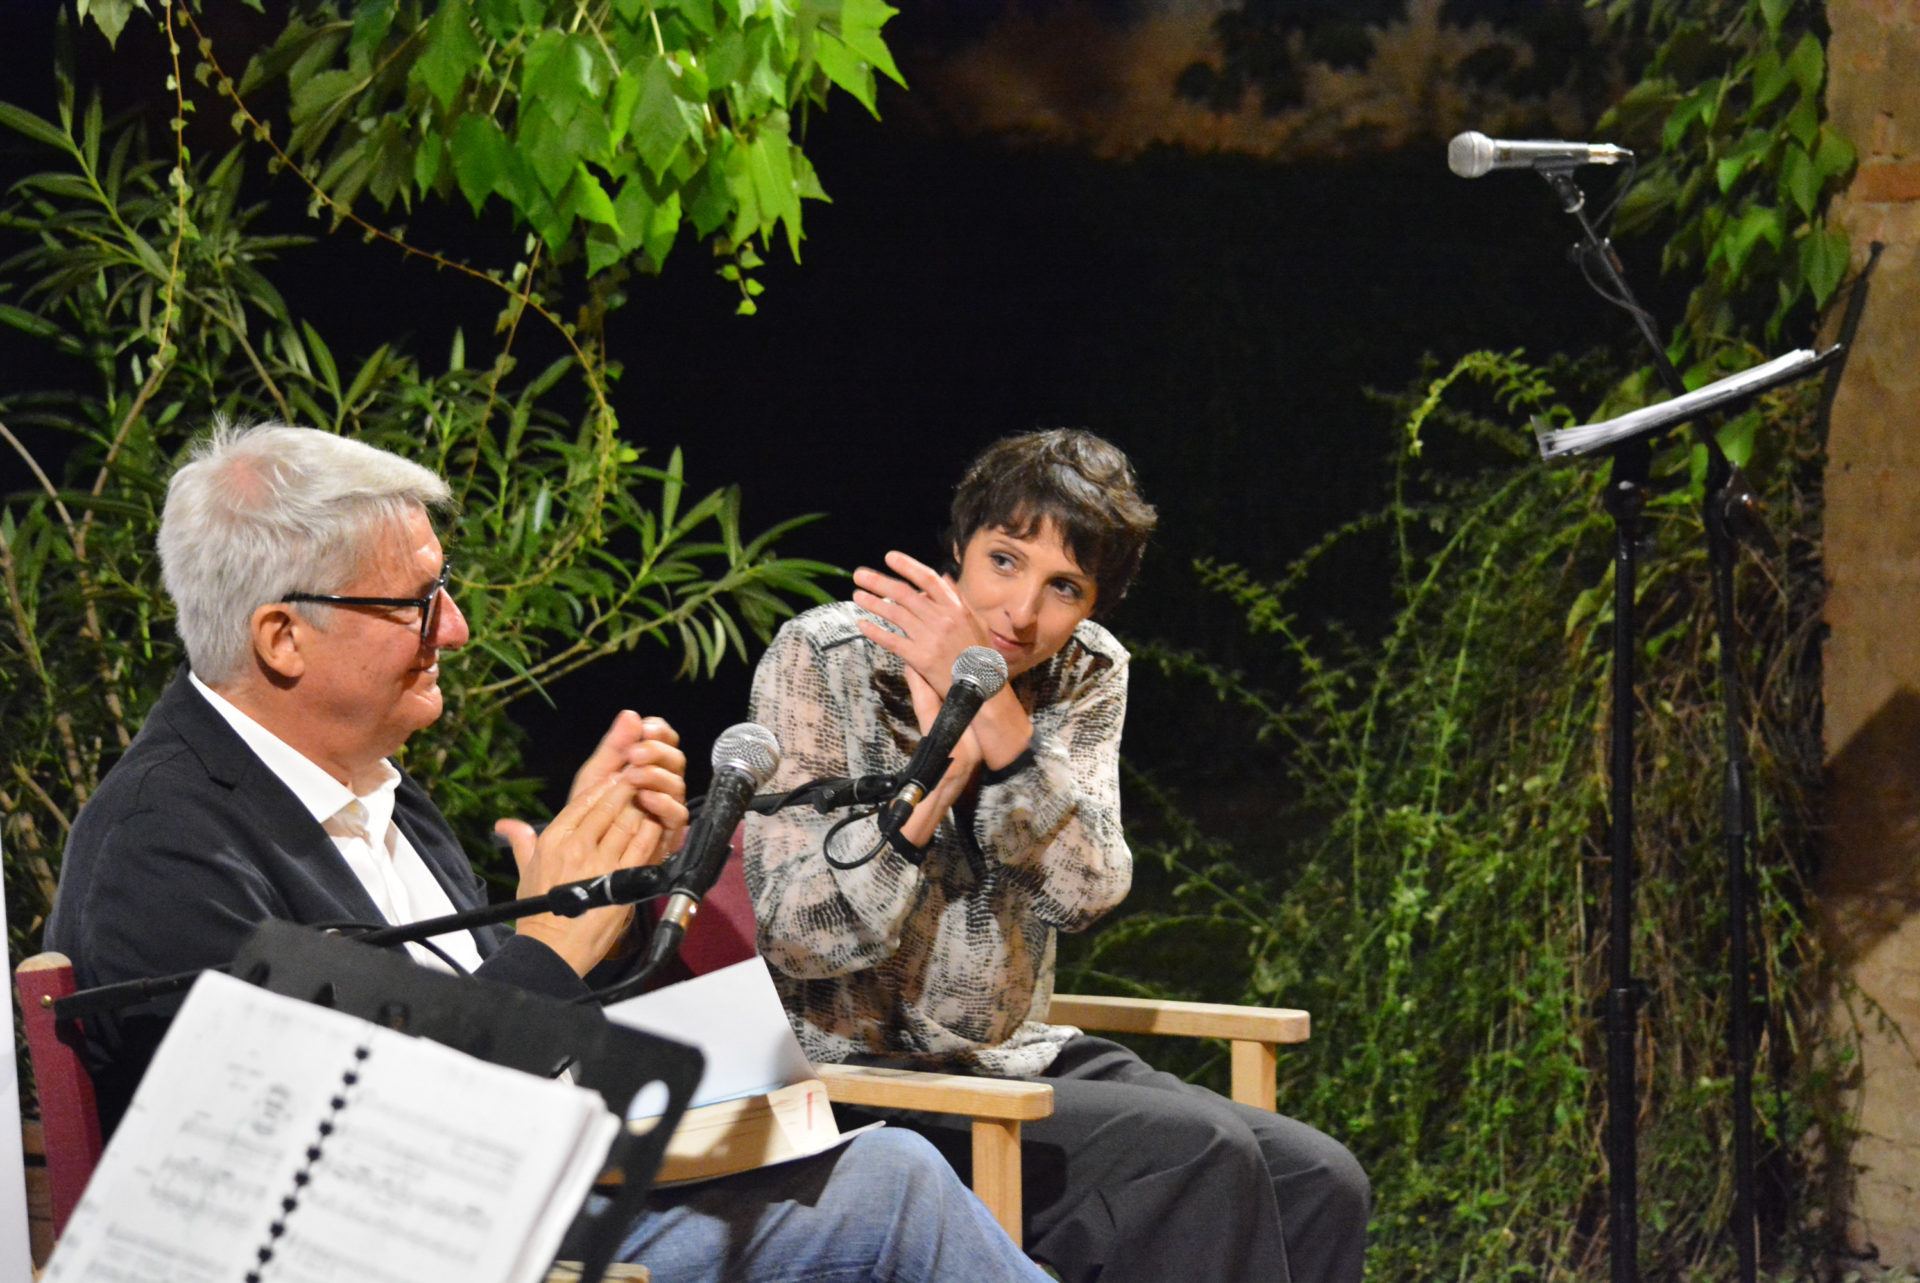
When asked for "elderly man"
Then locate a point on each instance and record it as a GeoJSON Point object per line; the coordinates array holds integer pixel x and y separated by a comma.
{"type": "Point", "coordinates": [313, 601]}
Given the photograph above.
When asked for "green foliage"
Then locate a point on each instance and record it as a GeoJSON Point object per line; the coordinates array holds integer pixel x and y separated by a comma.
{"type": "Point", "coordinates": [1743, 162]}
{"type": "Point", "coordinates": [1435, 897]}
{"type": "Point", "coordinates": [567, 546]}
{"type": "Point", "coordinates": [604, 126]}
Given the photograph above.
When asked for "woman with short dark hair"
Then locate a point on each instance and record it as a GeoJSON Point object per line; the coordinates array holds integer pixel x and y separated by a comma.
{"type": "Point", "coordinates": [932, 947]}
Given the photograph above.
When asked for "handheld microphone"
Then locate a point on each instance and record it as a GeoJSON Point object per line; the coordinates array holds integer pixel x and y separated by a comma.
{"type": "Point", "coordinates": [1473, 154]}
{"type": "Point", "coordinates": [743, 759]}
{"type": "Point", "coordinates": [978, 675]}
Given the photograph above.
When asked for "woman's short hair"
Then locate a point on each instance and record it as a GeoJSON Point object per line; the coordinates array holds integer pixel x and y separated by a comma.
{"type": "Point", "coordinates": [255, 513]}
{"type": "Point", "coordinates": [1078, 481]}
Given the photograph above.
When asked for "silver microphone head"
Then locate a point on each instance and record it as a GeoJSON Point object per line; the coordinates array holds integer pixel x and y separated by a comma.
{"type": "Point", "coordinates": [749, 748]}
{"type": "Point", "coordinates": [1470, 154]}
{"type": "Point", "coordinates": [983, 668]}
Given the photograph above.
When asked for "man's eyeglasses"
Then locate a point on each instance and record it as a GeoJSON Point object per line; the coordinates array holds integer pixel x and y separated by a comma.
{"type": "Point", "coordinates": [428, 605]}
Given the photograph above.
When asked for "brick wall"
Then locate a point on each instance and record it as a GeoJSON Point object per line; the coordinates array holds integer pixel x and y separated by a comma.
{"type": "Point", "coordinates": [1870, 891]}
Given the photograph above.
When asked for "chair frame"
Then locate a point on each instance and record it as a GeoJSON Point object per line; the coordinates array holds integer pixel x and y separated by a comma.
{"type": "Point", "coordinates": [998, 1106]}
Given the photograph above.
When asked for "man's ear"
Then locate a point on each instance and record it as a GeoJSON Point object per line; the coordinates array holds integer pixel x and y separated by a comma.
{"type": "Point", "coordinates": [277, 636]}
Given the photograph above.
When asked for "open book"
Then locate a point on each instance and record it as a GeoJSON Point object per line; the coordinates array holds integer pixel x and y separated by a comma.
{"type": "Point", "coordinates": [283, 1142]}
{"type": "Point", "coordinates": [758, 1102]}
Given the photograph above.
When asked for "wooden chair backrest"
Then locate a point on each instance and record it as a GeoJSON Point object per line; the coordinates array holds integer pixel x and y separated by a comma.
{"type": "Point", "coordinates": [69, 1114]}
{"type": "Point", "coordinates": [724, 931]}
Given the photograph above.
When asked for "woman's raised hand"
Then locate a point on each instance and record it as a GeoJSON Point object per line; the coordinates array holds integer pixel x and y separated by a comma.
{"type": "Point", "coordinates": [935, 623]}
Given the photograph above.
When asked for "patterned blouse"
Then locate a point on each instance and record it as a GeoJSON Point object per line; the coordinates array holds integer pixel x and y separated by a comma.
{"type": "Point", "coordinates": [948, 964]}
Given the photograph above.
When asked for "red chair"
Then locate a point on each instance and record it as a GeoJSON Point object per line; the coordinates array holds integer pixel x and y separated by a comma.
{"type": "Point", "coordinates": [69, 1116]}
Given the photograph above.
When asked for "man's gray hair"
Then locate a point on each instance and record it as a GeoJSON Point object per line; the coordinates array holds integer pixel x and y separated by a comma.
{"type": "Point", "coordinates": [257, 513]}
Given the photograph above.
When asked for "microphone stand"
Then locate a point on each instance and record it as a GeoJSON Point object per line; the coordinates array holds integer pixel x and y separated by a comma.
{"type": "Point", "coordinates": [1730, 513]}
{"type": "Point", "coordinates": [624, 886]}
{"type": "Point", "coordinates": [569, 900]}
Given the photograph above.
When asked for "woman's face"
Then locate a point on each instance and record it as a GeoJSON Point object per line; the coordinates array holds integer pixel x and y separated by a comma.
{"type": "Point", "coordinates": [1030, 593]}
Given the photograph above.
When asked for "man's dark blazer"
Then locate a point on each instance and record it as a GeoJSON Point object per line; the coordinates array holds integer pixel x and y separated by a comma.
{"type": "Point", "coordinates": [191, 841]}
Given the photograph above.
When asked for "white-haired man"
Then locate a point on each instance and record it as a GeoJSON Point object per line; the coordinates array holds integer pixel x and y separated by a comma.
{"type": "Point", "coordinates": [312, 595]}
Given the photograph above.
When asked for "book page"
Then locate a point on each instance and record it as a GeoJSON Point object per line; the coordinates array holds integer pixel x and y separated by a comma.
{"type": "Point", "coordinates": [434, 1165]}
{"type": "Point", "coordinates": [734, 1017]}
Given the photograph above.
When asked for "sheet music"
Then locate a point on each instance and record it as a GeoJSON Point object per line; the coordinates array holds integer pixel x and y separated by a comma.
{"type": "Point", "coordinates": [1564, 443]}
{"type": "Point", "coordinates": [438, 1166]}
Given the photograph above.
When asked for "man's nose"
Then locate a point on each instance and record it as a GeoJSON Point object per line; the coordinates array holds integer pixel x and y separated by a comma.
{"type": "Point", "coordinates": [449, 625]}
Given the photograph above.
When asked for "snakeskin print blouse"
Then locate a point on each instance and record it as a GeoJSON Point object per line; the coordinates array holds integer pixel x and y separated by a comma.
{"type": "Point", "coordinates": [948, 964]}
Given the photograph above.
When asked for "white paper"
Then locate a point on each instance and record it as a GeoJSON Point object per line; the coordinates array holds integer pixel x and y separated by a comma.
{"type": "Point", "coordinates": [1566, 442]}
{"type": "Point", "coordinates": [16, 1252]}
{"type": "Point", "coordinates": [439, 1166]}
{"type": "Point", "coordinates": [734, 1017]}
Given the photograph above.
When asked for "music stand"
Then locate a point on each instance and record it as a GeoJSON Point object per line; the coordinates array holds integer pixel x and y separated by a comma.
{"type": "Point", "coordinates": [510, 1027]}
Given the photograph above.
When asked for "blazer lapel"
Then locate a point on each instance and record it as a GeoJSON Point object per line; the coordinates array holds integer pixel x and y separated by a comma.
{"type": "Point", "coordinates": [283, 821]}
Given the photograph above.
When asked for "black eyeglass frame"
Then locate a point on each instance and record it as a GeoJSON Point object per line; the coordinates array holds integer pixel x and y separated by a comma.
{"type": "Point", "coordinates": [428, 605]}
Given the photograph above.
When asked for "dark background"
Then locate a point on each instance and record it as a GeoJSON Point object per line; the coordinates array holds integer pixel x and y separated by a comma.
{"type": "Point", "coordinates": [1221, 317]}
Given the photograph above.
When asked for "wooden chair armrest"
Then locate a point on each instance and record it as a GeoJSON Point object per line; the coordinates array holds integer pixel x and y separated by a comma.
{"type": "Point", "coordinates": [1192, 1019]}
{"type": "Point", "coordinates": [997, 1106]}
{"type": "Point", "coordinates": [1005, 1099]}
{"type": "Point", "coordinates": [1253, 1031]}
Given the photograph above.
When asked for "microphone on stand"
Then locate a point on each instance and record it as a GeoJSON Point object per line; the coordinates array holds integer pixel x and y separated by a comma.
{"type": "Point", "coordinates": [978, 675]}
{"type": "Point", "coordinates": [1472, 154]}
{"type": "Point", "coordinates": [743, 759]}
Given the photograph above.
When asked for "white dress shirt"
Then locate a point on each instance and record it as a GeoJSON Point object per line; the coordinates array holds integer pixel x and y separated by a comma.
{"type": "Point", "coordinates": [362, 828]}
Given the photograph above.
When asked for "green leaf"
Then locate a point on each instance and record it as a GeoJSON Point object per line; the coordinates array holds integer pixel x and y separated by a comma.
{"type": "Point", "coordinates": [650, 224]}
{"type": "Point", "coordinates": [662, 123]}
{"type": "Point", "coordinates": [1736, 438]}
{"type": "Point", "coordinates": [845, 67]}
{"type": "Point", "coordinates": [1774, 12]}
{"type": "Point", "coordinates": [1803, 122]}
{"type": "Point", "coordinates": [771, 172]}
{"type": "Point", "coordinates": [1756, 223]}
{"type": "Point", "coordinates": [38, 326]}
{"type": "Point", "coordinates": [323, 358]}
{"type": "Point", "coordinates": [25, 122]}
{"type": "Point", "coordinates": [318, 96]}
{"type": "Point", "coordinates": [589, 199]}
{"type": "Point", "coordinates": [1698, 105]}
{"type": "Point", "coordinates": [502, 20]}
{"type": "Point", "coordinates": [1808, 66]}
{"type": "Point", "coordinates": [109, 15]}
{"type": "Point", "coordinates": [1833, 157]}
{"type": "Point", "coordinates": [860, 23]}
{"type": "Point", "coordinates": [1771, 76]}
{"type": "Point", "coordinates": [1799, 180]}
{"type": "Point", "coordinates": [1823, 262]}
{"type": "Point", "coordinates": [427, 157]}
{"type": "Point", "coordinates": [482, 157]}
{"type": "Point", "coordinates": [451, 52]}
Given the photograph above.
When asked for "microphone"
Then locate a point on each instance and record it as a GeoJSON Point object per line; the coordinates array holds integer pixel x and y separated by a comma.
{"type": "Point", "coordinates": [978, 675]}
{"type": "Point", "coordinates": [743, 759]}
{"type": "Point", "coordinates": [1473, 154]}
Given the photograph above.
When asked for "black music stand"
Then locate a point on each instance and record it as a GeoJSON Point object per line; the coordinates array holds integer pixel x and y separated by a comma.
{"type": "Point", "coordinates": [506, 1026]}
{"type": "Point", "coordinates": [1731, 513]}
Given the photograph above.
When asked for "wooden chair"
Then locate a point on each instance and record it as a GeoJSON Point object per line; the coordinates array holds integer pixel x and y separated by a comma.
{"type": "Point", "coordinates": [724, 932]}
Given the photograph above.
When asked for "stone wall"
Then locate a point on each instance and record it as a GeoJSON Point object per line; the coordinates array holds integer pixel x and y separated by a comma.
{"type": "Point", "coordinates": [1871, 886]}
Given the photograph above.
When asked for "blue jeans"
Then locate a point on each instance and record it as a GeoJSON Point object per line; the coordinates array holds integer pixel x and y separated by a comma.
{"type": "Point", "coordinates": [884, 1207]}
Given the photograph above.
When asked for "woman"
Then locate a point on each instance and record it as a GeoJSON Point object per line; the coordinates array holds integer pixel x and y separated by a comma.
{"type": "Point", "coordinates": [934, 948]}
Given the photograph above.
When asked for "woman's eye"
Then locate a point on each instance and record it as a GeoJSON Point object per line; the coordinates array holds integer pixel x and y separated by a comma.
{"type": "Point", "coordinates": [1070, 590]}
